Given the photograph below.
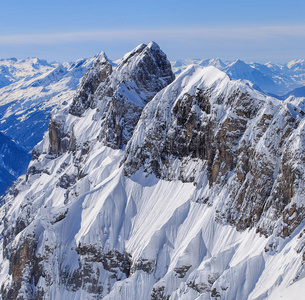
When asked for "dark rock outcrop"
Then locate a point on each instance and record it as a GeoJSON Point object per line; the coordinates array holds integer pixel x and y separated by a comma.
{"type": "Point", "coordinates": [120, 92]}
{"type": "Point", "coordinates": [60, 141]}
{"type": "Point", "coordinates": [98, 73]}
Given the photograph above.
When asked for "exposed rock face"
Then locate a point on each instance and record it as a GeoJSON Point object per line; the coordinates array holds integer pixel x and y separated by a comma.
{"type": "Point", "coordinates": [60, 141]}
{"type": "Point", "coordinates": [120, 92]}
{"type": "Point", "coordinates": [98, 73]}
{"type": "Point", "coordinates": [24, 269]}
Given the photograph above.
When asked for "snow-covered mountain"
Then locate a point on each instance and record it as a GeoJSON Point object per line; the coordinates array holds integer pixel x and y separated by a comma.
{"type": "Point", "coordinates": [13, 69]}
{"type": "Point", "coordinates": [150, 187]}
{"type": "Point", "coordinates": [34, 89]}
{"type": "Point", "coordinates": [241, 70]}
{"type": "Point", "coordinates": [277, 79]}
{"type": "Point", "coordinates": [25, 105]}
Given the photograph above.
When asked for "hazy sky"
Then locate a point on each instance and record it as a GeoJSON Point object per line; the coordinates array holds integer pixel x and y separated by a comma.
{"type": "Point", "coordinates": [66, 30]}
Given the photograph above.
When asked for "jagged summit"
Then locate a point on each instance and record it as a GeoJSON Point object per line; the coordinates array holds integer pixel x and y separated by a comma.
{"type": "Point", "coordinates": [119, 92]}
{"type": "Point", "coordinates": [144, 68]}
{"type": "Point", "coordinates": [153, 45]}
{"type": "Point", "coordinates": [147, 66]}
{"type": "Point", "coordinates": [97, 74]}
{"type": "Point", "coordinates": [102, 56]}
{"type": "Point", "coordinates": [130, 54]}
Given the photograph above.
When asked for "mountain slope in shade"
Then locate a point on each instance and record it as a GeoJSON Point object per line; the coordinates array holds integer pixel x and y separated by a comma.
{"type": "Point", "coordinates": [299, 93]}
{"type": "Point", "coordinates": [205, 201]}
{"type": "Point", "coordinates": [13, 162]}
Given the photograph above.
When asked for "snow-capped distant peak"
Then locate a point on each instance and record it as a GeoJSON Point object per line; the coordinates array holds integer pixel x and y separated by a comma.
{"type": "Point", "coordinates": [239, 64]}
{"type": "Point", "coordinates": [295, 62]}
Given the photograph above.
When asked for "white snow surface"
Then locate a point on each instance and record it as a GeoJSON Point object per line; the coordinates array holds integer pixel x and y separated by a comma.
{"type": "Point", "coordinates": [155, 221]}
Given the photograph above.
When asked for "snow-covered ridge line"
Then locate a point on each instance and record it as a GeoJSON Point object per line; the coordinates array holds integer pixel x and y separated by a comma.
{"type": "Point", "coordinates": [276, 79]}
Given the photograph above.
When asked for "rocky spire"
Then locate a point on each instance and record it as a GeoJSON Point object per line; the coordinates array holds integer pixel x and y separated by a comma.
{"type": "Point", "coordinates": [98, 73]}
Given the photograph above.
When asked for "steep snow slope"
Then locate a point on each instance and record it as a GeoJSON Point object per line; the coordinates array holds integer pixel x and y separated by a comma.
{"type": "Point", "coordinates": [174, 214]}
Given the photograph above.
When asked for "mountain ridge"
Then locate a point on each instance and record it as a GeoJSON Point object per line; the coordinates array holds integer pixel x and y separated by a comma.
{"type": "Point", "coordinates": [276, 79]}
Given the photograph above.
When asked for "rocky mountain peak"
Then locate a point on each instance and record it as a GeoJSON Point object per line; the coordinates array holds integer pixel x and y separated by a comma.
{"type": "Point", "coordinates": [97, 74]}
{"type": "Point", "coordinates": [147, 66]}
{"type": "Point", "coordinates": [113, 95]}
{"type": "Point", "coordinates": [102, 57]}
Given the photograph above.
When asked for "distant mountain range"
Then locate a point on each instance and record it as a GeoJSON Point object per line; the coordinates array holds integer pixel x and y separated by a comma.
{"type": "Point", "coordinates": [276, 79]}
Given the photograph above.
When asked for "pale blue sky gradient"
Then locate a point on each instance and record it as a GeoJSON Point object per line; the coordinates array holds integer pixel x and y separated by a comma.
{"type": "Point", "coordinates": [67, 30]}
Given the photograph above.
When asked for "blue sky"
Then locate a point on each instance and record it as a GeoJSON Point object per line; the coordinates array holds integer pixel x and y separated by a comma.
{"type": "Point", "coordinates": [67, 30]}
